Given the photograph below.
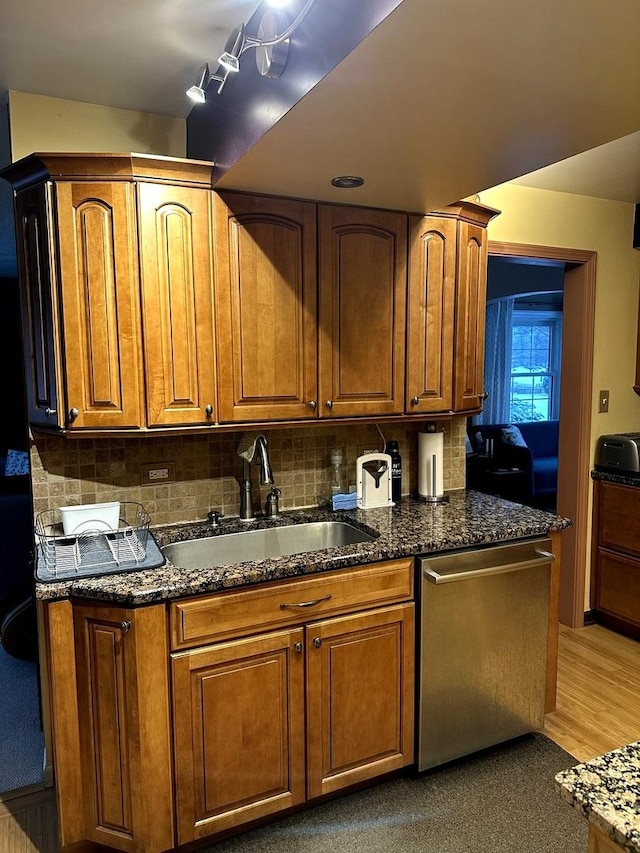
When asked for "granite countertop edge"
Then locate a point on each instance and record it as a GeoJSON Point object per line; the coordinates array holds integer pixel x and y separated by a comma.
{"type": "Point", "coordinates": [622, 479]}
{"type": "Point", "coordinates": [406, 530]}
{"type": "Point", "coordinates": [606, 791]}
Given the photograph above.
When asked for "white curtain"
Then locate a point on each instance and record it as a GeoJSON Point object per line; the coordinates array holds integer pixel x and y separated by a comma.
{"type": "Point", "coordinates": [497, 361]}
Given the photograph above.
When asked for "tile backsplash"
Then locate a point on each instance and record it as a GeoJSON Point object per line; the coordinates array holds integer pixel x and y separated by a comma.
{"type": "Point", "coordinates": [207, 467]}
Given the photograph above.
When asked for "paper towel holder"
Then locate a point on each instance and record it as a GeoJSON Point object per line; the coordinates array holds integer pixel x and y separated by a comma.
{"type": "Point", "coordinates": [430, 479]}
{"type": "Point", "coordinates": [434, 499]}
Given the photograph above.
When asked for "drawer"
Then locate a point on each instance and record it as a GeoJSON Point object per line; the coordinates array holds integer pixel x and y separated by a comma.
{"type": "Point", "coordinates": [278, 604]}
{"type": "Point", "coordinates": [618, 586]}
{"type": "Point", "coordinates": [619, 521]}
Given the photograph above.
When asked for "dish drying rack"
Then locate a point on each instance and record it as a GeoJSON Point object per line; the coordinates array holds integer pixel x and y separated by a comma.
{"type": "Point", "coordinates": [91, 552]}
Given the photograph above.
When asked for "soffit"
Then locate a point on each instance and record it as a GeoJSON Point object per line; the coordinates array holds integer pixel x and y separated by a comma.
{"type": "Point", "coordinates": [449, 97]}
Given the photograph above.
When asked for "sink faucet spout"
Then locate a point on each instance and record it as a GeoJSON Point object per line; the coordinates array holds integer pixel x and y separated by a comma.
{"type": "Point", "coordinates": [253, 449]}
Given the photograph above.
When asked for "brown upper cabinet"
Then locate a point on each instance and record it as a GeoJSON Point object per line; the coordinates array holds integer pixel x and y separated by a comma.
{"type": "Point", "coordinates": [308, 331]}
{"type": "Point", "coordinates": [174, 227]}
{"type": "Point", "coordinates": [362, 284]}
{"type": "Point", "coordinates": [77, 262]}
{"type": "Point", "coordinates": [446, 309]}
{"type": "Point", "coordinates": [150, 301]}
{"type": "Point", "coordinates": [102, 352]}
{"type": "Point", "coordinates": [266, 296]}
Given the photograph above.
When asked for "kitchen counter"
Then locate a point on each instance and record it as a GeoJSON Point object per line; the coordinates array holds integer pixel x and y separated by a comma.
{"type": "Point", "coordinates": [410, 528]}
{"type": "Point", "coordinates": [622, 479]}
{"type": "Point", "coordinates": [607, 792]}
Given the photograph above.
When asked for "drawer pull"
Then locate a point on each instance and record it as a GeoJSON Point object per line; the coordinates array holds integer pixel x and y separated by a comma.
{"type": "Point", "coordinates": [306, 603]}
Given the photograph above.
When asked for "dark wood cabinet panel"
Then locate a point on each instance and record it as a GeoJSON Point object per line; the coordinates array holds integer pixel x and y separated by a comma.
{"type": "Point", "coordinates": [38, 297]}
{"type": "Point", "coordinates": [615, 558]}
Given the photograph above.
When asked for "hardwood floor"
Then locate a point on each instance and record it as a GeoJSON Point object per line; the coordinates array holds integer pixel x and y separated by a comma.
{"type": "Point", "coordinates": [28, 822]}
{"type": "Point", "coordinates": [598, 710]}
{"type": "Point", "coordinates": [598, 706]}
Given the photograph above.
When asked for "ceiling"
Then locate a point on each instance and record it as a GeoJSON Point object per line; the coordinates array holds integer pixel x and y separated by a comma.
{"type": "Point", "coordinates": [479, 93]}
{"type": "Point", "coordinates": [133, 54]}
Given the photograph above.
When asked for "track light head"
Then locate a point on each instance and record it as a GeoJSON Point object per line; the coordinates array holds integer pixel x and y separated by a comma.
{"type": "Point", "coordinates": [197, 91]}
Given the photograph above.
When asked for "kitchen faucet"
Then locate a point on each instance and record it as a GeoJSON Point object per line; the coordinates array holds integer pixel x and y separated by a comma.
{"type": "Point", "coordinates": [252, 448]}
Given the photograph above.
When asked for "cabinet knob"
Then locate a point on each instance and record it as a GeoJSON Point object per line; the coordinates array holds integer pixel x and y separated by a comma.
{"type": "Point", "coordinates": [208, 410]}
{"type": "Point", "coordinates": [313, 405]}
{"type": "Point", "coordinates": [329, 404]}
{"type": "Point", "coordinates": [50, 412]}
{"type": "Point", "coordinates": [317, 642]}
{"type": "Point", "coordinates": [298, 648]}
{"type": "Point", "coordinates": [125, 625]}
{"type": "Point", "coordinates": [73, 414]}
{"type": "Point", "coordinates": [484, 395]}
{"type": "Point", "coordinates": [415, 401]}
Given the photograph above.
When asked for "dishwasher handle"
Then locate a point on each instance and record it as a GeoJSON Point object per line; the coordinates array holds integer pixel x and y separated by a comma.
{"type": "Point", "coordinates": [543, 558]}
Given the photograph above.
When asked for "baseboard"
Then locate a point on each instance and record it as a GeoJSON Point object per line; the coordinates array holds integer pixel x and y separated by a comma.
{"type": "Point", "coordinates": [589, 618]}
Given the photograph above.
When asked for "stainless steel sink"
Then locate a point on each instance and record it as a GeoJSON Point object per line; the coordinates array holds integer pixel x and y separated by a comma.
{"type": "Point", "coordinates": [264, 544]}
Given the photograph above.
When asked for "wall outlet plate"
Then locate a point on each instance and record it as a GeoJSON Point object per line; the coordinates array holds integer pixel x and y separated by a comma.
{"type": "Point", "coordinates": [157, 473]}
{"type": "Point", "coordinates": [372, 447]}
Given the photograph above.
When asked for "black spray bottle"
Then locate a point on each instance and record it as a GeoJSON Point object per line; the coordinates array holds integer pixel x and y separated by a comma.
{"type": "Point", "coordinates": [396, 470]}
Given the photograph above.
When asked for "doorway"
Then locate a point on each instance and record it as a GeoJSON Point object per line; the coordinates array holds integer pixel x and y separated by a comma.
{"type": "Point", "coordinates": [574, 453]}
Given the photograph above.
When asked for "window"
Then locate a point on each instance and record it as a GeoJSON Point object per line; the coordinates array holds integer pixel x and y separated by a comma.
{"type": "Point", "coordinates": [536, 345]}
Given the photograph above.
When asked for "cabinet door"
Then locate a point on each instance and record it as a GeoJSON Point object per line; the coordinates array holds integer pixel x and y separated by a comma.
{"type": "Point", "coordinates": [266, 303]}
{"type": "Point", "coordinates": [471, 296]}
{"type": "Point", "coordinates": [363, 284]}
{"type": "Point", "coordinates": [430, 311]}
{"type": "Point", "coordinates": [174, 226]}
{"type": "Point", "coordinates": [238, 732]}
{"type": "Point", "coordinates": [122, 671]}
{"type": "Point", "coordinates": [99, 304]}
{"type": "Point", "coordinates": [40, 336]}
{"type": "Point", "coordinates": [360, 698]}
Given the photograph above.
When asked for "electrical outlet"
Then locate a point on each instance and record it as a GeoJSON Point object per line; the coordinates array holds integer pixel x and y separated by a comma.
{"type": "Point", "coordinates": [373, 447]}
{"type": "Point", "coordinates": [603, 401]}
{"type": "Point", "coordinates": [157, 473]}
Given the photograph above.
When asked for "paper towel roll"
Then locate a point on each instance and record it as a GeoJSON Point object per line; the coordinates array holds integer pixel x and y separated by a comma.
{"type": "Point", "coordinates": [430, 454]}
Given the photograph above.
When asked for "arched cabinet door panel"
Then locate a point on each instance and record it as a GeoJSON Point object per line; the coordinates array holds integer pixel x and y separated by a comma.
{"type": "Point", "coordinates": [266, 307]}
{"type": "Point", "coordinates": [176, 266]}
{"type": "Point", "coordinates": [362, 286]}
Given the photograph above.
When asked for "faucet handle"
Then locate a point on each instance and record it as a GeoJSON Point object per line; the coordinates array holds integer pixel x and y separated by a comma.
{"type": "Point", "coordinates": [272, 507]}
{"type": "Point", "coordinates": [214, 517]}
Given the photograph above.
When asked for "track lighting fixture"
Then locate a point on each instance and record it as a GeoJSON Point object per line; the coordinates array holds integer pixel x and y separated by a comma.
{"type": "Point", "coordinates": [271, 44]}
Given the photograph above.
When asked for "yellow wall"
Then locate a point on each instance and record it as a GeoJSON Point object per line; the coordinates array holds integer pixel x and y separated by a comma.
{"type": "Point", "coordinates": [39, 123]}
{"type": "Point", "coordinates": [544, 218]}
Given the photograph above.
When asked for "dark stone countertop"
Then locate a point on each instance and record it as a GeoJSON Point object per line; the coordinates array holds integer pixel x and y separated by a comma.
{"type": "Point", "coordinates": [607, 792]}
{"type": "Point", "coordinates": [620, 479]}
{"type": "Point", "coordinates": [408, 529]}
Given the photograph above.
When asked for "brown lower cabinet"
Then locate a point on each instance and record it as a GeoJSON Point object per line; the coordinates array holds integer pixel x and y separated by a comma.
{"type": "Point", "coordinates": [318, 695]}
{"type": "Point", "coordinates": [615, 565]}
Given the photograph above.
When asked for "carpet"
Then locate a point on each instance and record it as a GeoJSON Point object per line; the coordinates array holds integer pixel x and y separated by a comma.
{"type": "Point", "coordinates": [21, 739]}
{"type": "Point", "coordinates": [502, 800]}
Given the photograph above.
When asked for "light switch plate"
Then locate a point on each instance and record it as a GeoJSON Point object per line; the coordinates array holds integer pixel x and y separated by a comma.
{"type": "Point", "coordinates": [603, 401]}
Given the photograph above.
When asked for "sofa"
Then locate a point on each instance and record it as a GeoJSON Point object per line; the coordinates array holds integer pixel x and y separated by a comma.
{"type": "Point", "coordinates": [16, 570]}
{"type": "Point", "coordinates": [529, 448]}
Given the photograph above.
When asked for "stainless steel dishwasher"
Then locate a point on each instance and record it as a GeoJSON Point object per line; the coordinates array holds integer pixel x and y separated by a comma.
{"type": "Point", "coordinates": [483, 627]}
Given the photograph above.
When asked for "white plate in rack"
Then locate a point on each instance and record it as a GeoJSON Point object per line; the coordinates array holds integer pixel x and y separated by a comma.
{"type": "Point", "coordinates": [88, 518]}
